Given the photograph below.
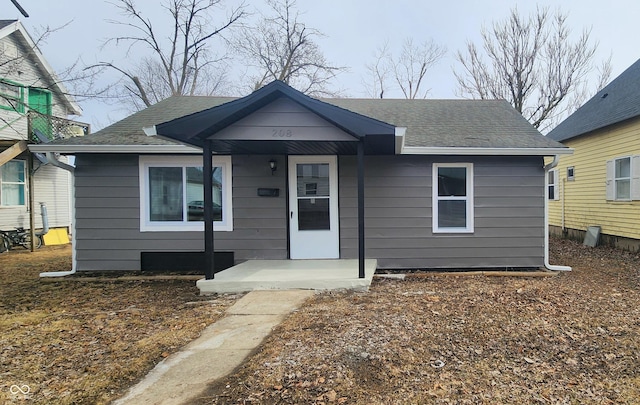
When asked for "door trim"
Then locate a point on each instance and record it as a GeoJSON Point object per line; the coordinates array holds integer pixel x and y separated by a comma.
{"type": "Point", "coordinates": [329, 240]}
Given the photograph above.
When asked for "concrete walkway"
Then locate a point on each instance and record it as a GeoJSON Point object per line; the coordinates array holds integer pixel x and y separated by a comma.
{"type": "Point", "coordinates": [221, 348]}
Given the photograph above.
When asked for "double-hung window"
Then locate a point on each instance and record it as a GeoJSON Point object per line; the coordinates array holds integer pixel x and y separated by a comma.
{"type": "Point", "coordinates": [172, 193]}
{"type": "Point", "coordinates": [452, 198]}
{"type": "Point", "coordinates": [553, 192]}
{"type": "Point", "coordinates": [11, 96]}
{"type": "Point", "coordinates": [13, 183]}
{"type": "Point", "coordinates": [623, 178]}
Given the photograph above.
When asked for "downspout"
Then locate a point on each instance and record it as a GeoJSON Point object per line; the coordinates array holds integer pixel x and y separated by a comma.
{"type": "Point", "coordinates": [548, 167]}
{"type": "Point", "coordinates": [51, 158]}
{"type": "Point", "coordinates": [45, 220]}
{"type": "Point", "coordinates": [562, 197]}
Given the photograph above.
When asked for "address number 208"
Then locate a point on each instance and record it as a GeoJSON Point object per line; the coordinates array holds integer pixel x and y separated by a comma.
{"type": "Point", "coordinates": [281, 133]}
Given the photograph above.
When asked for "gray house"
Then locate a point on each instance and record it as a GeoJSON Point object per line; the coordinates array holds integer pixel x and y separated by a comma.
{"type": "Point", "coordinates": [434, 184]}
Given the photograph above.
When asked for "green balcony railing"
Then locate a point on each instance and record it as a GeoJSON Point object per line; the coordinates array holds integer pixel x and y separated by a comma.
{"type": "Point", "coordinates": [44, 128]}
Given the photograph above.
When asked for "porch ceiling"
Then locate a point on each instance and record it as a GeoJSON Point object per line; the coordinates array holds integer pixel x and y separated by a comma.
{"type": "Point", "coordinates": [373, 146]}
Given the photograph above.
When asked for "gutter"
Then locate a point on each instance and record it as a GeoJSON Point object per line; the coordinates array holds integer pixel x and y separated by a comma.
{"type": "Point", "coordinates": [51, 158]}
{"type": "Point", "coordinates": [146, 149]}
{"type": "Point", "coordinates": [554, 163]}
{"type": "Point", "coordinates": [482, 151]}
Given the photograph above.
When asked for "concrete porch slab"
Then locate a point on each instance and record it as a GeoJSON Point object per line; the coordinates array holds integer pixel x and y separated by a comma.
{"type": "Point", "coordinates": [327, 274]}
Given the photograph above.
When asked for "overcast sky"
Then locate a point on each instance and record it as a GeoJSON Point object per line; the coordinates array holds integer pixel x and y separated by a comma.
{"type": "Point", "coordinates": [353, 30]}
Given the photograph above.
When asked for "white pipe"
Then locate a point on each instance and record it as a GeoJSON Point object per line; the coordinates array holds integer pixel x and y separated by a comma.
{"type": "Point", "coordinates": [562, 196]}
{"type": "Point", "coordinates": [548, 167]}
{"type": "Point", "coordinates": [52, 159]}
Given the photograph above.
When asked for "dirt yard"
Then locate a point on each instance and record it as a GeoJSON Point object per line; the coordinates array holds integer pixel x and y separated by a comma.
{"type": "Point", "coordinates": [84, 341]}
{"type": "Point", "coordinates": [573, 338]}
{"type": "Point", "coordinates": [569, 339]}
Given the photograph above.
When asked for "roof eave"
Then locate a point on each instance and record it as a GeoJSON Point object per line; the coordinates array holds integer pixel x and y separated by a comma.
{"type": "Point", "coordinates": [136, 149]}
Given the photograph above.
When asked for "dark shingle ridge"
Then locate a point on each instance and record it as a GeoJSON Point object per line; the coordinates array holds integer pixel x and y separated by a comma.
{"type": "Point", "coordinates": [4, 23]}
{"type": "Point", "coordinates": [616, 102]}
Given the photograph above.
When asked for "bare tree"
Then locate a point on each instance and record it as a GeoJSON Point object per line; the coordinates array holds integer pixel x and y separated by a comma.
{"type": "Point", "coordinates": [408, 70]}
{"type": "Point", "coordinates": [184, 63]}
{"type": "Point", "coordinates": [281, 47]}
{"type": "Point", "coordinates": [532, 62]}
{"type": "Point", "coordinates": [412, 65]}
{"type": "Point", "coordinates": [379, 71]}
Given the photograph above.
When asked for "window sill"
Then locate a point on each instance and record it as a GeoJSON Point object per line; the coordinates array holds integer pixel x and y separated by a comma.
{"type": "Point", "coordinates": [184, 228]}
{"type": "Point", "coordinates": [452, 231]}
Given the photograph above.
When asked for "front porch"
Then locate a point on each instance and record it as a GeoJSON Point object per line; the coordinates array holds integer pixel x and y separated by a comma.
{"type": "Point", "coordinates": [326, 274]}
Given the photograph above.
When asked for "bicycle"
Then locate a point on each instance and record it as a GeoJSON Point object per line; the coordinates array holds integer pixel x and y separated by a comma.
{"type": "Point", "coordinates": [18, 237]}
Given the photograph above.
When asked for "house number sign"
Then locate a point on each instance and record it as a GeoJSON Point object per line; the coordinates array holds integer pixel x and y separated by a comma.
{"type": "Point", "coordinates": [281, 133]}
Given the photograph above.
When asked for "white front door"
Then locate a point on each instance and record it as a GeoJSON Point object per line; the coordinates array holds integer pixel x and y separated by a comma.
{"type": "Point", "coordinates": [313, 206]}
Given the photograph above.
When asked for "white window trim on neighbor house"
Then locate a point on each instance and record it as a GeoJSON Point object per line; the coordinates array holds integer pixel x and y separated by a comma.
{"type": "Point", "coordinates": [571, 173]}
{"type": "Point", "coordinates": [468, 198]}
{"type": "Point", "coordinates": [552, 184]}
{"type": "Point", "coordinates": [612, 181]}
{"type": "Point", "coordinates": [20, 184]}
{"type": "Point", "coordinates": [11, 96]}
{"type": "Point", "coordinates": [146, 225]}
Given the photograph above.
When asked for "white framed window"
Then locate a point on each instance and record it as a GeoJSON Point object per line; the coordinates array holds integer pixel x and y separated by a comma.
{"type": "Point", "coordinates": [571, 173]}
{"type": "Point", "coordinates": [13, 184]}
{"type": "Point", "coordinates": [172, 193]}
{"type": "Point", "coordinates": [623, 178]}
{"type": "Point", "coordinates": [11, 96]}
{"type": "Point", "coordinates": [452, 198]}
{"type": "Point", "coordinates": [553, 190]}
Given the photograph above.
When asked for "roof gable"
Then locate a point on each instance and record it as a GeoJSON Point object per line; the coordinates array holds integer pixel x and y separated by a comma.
{"type": "Point", "coordinates": [8, 27]}
{"type": "Point", "coordinates": [193, 129]}
{"type": "Point", "coordinates": [616, 102]}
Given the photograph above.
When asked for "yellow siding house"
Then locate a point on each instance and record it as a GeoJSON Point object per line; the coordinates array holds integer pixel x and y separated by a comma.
{"type": "Point", "coordinates": [599, 185]}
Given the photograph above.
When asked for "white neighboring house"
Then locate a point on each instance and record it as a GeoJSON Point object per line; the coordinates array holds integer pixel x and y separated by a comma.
{"type": "Point", "coordinates": [32, 100]}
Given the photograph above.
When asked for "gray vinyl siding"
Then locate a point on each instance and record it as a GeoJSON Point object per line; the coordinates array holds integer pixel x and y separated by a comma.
{"type": "Point", "coordinates": [508, 197]}
{"type": "Point", "coordinates": [509, 213]}
{"type": "Point", "coordinates": [108, 233]}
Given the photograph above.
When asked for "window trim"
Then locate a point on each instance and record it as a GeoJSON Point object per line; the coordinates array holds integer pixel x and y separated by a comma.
{"type": "Point", "coordinates": [469, 198]}
{"type": "Point", "coordinates": [145, 162]}
{"type": "Point", "coordinates": [24, 184]}
{"type": "Point", "coordinates": [20, 105]}
{"type": "Point", "coordinates": [571, 173]}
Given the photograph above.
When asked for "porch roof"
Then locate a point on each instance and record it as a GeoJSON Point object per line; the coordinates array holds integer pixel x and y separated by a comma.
{"type": "Point", "coordinates": [197, 128]}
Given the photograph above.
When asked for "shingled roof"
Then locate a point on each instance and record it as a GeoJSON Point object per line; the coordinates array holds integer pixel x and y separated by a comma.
{"type": "Point", "coordinates": [428, 123]}
{"type": "Point", "coordinates": [4, 23]}
{"type": "Point", "coordinates": [453, 123]}
{"type": "Point", "coordinates": [617, 102]}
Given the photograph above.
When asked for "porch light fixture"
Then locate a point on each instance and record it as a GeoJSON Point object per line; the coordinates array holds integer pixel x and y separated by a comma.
{"type": "Point", "coordinates": [273, 164]}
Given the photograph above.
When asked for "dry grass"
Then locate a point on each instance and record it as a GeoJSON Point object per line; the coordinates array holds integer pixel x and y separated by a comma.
{"type": "Point", "coordinates": [569, 339]}
{"type": "Point", "coordinates": [80, 342]}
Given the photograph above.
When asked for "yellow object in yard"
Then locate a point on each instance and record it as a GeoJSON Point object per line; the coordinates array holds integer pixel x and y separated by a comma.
{"type": "Point", "coordinates": [57, 236]}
